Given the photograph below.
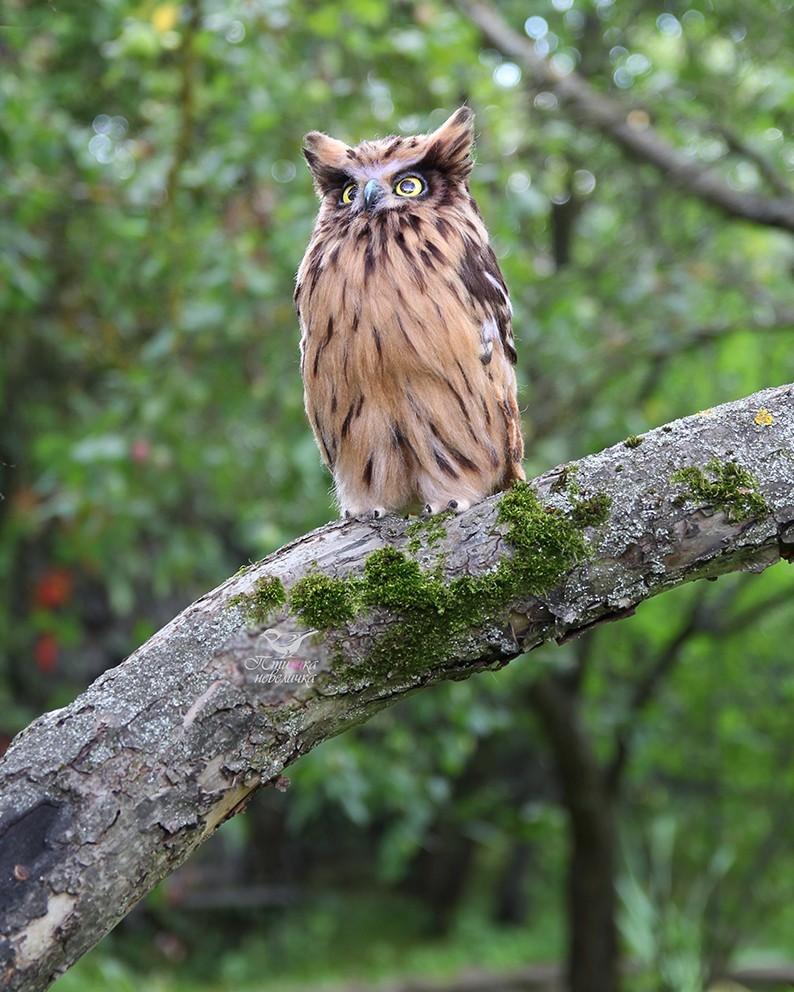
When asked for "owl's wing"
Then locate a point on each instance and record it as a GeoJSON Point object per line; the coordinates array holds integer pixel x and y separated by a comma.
{"type": "Point", "coordinates": [483, 280]}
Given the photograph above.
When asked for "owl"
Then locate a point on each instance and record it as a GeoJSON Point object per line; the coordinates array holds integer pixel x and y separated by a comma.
{"type": "Point", "coordinates": [407, 350]}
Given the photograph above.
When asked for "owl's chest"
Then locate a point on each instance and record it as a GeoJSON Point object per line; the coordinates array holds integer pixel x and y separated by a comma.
{"type": "Point", "coordinates": [385, 303]}
{"type": "Point", "coordinates": [358, 335]}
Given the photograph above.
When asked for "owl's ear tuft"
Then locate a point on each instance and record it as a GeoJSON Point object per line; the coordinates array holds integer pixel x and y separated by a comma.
{"type": "Point", "coordinates": [327, 159]}
{"type": "Point", "coordinates": [450, 146]}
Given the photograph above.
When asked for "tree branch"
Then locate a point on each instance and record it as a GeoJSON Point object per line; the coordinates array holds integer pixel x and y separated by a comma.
{"type": "Point", "coordinates": [101, 800]}
{"type": "Point", "coordinates": [761, 162]}
{"type": "Point", "coordinates": [614, 119]}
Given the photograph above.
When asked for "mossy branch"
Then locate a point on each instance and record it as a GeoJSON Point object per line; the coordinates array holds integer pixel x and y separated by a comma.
{"type": "Point", "coordinates": [99, 801]}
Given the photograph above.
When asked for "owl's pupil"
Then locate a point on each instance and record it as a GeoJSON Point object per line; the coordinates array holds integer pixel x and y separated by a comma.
{"type": "Point", "coordinates": [408, 185]}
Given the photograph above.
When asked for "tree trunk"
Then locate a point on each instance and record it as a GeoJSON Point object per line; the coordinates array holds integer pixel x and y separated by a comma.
{"type": "Point", "coordinates": [593, 944]}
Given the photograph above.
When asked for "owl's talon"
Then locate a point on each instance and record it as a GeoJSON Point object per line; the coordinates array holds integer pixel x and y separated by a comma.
{"type": "Point", "coordinates": [458, 505]}
{"type": "Point", "coordinates": [431, 509]}
{"type": "Point", "coordinates": [375, 513]}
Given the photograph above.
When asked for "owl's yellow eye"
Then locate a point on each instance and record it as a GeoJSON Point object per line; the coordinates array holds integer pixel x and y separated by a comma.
{"type": "Point", "coordinates": [409, 186]}
{"type": "Point", "coordinates": [349, 193]}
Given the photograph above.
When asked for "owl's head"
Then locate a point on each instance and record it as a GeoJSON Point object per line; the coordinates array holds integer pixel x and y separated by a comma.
{"type": "Point", "coordinates": [392, 173]}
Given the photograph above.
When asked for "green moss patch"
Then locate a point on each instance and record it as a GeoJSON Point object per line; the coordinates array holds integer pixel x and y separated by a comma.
{"type": "Point", "coordinates": [323, 601]}
{"type": "Point", "coordinates": [546, 543]}
{"type": "Point", "coordinates": [259, 605]}
{"type": "Point", "coordinates": [427, 534]}
{"type": "Point", "coordinates": [727, 487]}
{"type": "Point", "coordinates": [591, 511]}
{"type": "Point", "coordinates": [431, 610]}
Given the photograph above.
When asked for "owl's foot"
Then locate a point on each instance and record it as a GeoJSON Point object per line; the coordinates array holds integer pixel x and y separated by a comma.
{"type": "Point", "coordinates": [458, 505]}
{"type": "Point", "coordinates": [377, 513]}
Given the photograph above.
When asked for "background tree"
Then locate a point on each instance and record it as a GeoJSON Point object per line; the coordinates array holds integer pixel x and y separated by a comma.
{"type": "Point", "coordinates": [155, 207]}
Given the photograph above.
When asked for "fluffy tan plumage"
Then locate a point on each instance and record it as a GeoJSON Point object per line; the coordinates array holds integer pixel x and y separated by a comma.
{"type": "Point", "coordinates": [407, 350]}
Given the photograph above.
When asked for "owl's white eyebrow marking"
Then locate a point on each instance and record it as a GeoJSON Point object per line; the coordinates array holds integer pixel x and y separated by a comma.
{"type": "Point", "coordinates": [377, 172]}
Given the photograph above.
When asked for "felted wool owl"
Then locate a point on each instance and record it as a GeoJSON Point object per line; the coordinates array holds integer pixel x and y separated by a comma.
{"type": "Point", "coordinates": [407, 350]}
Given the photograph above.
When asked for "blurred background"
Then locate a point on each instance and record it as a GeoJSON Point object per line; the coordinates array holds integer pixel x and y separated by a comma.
{"type": "Point", "coordinates": [629, 789]}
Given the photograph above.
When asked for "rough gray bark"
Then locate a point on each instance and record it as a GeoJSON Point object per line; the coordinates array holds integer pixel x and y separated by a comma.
{"type": "Point", "coordinates": [102, 799]}
{"type": "Point", "coordinates": [613, 118]}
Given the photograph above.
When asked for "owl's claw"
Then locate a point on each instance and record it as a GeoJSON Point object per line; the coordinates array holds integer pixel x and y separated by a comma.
{"type": "Point", "coordinates": [377, 513]}
{"type": "Point", "coordinates": [458, 505]}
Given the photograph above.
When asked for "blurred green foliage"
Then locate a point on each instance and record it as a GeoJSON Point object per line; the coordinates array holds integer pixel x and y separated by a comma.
{"type": "Point", "coordinates": [153, 210]}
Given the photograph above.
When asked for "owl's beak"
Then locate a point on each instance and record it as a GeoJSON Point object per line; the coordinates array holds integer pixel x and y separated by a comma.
{"type": "Point", "coordinates": [372, 193]}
